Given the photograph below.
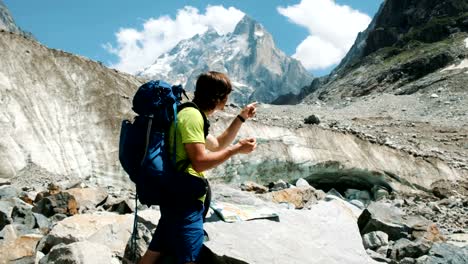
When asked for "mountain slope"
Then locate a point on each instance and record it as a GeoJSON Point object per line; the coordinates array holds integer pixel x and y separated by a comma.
{"type": "Point", "coordinates": [7, 23]}
{"type": "Point", "coordinates": [60, 114]}
{"type": "Point", "coordinates": [259, 71]}
{"type": "Point", "coordinates": [402, 51]}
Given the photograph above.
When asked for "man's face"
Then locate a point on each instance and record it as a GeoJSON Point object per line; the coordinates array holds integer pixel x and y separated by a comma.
{"type": "Point", "coordinates": [222, 103]}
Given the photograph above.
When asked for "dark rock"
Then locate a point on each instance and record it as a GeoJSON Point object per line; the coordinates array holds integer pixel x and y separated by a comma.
{"type": "Point", "coordinates": [5, 213]}
{"type": "Point", "coordinates": [59, 203]}
{"type": "Point", "coordinates": [442, 253]}
{"type": "Point", "coordinates": [312, 120]}
{"type": "Point", "coordinates": [404, 248]}
{"type": "Point", "coordinates": [250, 186]}
{"type": "Point", "coordinates": [22, 214]}
{"type": "Point", "coordinates": [8, 191]}
{"type": "Point", "coordinates": [278, 185]}
{"type": "Point", "coordinates": [381, 217]}
{"type": "Point", "coordinates": [120, 207]}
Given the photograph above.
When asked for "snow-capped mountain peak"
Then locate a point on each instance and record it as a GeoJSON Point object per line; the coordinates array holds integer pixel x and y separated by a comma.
{"type": "Point", "coordinates": [258, 70]}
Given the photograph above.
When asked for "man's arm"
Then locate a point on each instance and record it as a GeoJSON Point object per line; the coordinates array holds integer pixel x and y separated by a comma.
{"type": "Point", "coordinates": [226, 138]}
{"type": "Point", "coordinates": [202, 160]}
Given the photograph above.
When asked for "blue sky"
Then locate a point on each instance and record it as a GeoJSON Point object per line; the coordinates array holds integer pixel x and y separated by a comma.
{"type": "Point", "coordinates": [129, 35]}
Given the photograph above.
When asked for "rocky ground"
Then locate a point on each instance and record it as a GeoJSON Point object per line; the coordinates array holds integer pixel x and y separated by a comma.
{"type": "Point", "coordinates": [81, 223]}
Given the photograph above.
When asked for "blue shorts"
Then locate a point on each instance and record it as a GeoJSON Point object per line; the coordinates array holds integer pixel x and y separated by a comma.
{"type": "Point", "coordinates": [180, 232]}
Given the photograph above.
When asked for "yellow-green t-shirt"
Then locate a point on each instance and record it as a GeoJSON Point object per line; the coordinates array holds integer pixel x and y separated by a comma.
{"type": "Point", "coordinates": [189, 130]}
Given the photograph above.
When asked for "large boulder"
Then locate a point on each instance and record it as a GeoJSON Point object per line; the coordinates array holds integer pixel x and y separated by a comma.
{"type": "Point", "coordinates": [59, 203]}
{"type": "Point", "coordinates": [105, 228]}
{"type": "Point", "coordinates": [88, 198]}
{"type": "Point", "coordinates": [442, 253]}
{"type": "Point", "coordinates": [391, 220]}
{"type": "Point", "coordinates": [327, 233]}
{"type": "Point", "coordinates": [23, 246]}
{"type": "Point", "coordinates": [80, 253]}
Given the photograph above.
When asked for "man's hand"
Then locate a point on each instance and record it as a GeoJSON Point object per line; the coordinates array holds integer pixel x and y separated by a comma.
{"type": "Point", "coordinates": [249, 111]}
{"type": "Point", "coordinates": [246, 145]}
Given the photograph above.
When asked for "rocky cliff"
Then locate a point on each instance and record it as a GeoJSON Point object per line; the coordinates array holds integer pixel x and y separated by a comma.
{"type": "Point", "coordinates": [60, 113]}
{"type": "Point", "coordinates": [404, 50]}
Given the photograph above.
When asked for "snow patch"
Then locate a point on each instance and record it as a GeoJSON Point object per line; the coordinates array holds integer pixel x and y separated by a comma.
{"type": "Point", "coordinates": [466, 43]}
{"type": "Point", "coordinates": [259, 33]}
{"type": "Point", "coordinates": [161, 67]}
{"type": "Point", "coordinates": [462, 65]}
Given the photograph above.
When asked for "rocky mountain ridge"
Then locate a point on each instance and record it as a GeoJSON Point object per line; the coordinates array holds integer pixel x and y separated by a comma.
{"type": "Point", "coordinates": [409, 47]}
{"type": "Point", "coordinates": [7, 22]}
{"type": "Point", "coordinates": [259, 71]}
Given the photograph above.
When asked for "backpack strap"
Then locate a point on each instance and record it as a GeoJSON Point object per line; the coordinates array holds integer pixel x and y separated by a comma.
{"type": "Point", "coordinates": [206, 123]}
{"type": "Point", "coordinates": [183, 164]}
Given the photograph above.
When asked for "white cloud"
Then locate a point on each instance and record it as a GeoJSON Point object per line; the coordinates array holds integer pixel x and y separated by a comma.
{"type": "Point", "coordinates": [138, 49]}
{"type": "Point", "coordinates": [333, 29]}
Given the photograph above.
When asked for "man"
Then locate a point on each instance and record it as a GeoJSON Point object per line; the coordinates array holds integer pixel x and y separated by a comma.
{"type": "Point", "coordinates": [180, 229]}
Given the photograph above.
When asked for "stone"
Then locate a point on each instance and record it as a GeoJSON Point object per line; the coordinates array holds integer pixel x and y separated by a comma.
{"type": "Point", "coordinates": [434, 96]}
{"type": "Point", "coordinates": [6, 208]}
{"type": "Point", "coordinates": [22, 246]}
{"type": "Point", "coordinates": [120, 206]}
{"type": "Point", "coordinates": [445, 253]}
{"type": "Point", "coordinates": [57, 203]}
{"type": "Point", "coordinates": [265, 241]}
{"type": "Point", "coordinates": [297, 196]}
{"type": "Point", "coordinates": [251, 186]}
{"type": "Point", "coordinates": [378, 257]}
{"type": "Point", "coordinates": [407, 261]}
{"type": "Point", "coordinates": [79, 252]}
{"type": "Point", "coordinates": [22, 214]}
{"type": "Point", "coordinates": [428, 232]}
{"type": "Point", "coordinates": [383, 250]}
{"type": "Point", "coordinates": [302, 183]}
{"type": "Point", "coordinates": [312, 120]}
{"type": "Point", "coordinates": [110, 229]}
{"type": "Point", "coordinates": [88, 198]}
{"type": "Point", "coordinates": [406, 248]}
{"type": "Point", "coordinates": [382, 217]}
{"type": "Point", "coordinates": [5, 181]}
{"type": "Point", "coordinates": [359, 204]}
{"type": "Point", "coordinates": [278, 185]}
{"type": "Point", "coordinates": [42, 222]}
{"type": "Point", "coordinates": [374, 240]}
{"type": "Point", "coordinates": [8, 233]}
{"type": "Point", "coordinates": [8, 191]}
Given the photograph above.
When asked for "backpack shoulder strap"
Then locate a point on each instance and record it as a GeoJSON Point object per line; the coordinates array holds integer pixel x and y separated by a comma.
{"type": "Point", "coordinates": [206, 123]}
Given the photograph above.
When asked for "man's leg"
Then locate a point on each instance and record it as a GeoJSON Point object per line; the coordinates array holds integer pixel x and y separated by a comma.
{"type": "Point", "coordinates": [150, 257]}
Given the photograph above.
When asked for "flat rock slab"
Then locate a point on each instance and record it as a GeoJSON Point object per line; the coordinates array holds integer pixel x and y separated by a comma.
{"type": "Point", "coordinates": [327, 233]}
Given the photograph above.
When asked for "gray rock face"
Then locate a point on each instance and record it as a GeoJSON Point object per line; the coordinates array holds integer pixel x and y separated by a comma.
{"type": "Point", "coordinates": [401, 52]}
{"type": "Point", "coordinates": [60, 114]}
{"type": "Point", "coordinates": [445, 253]}
{"type": "Point", "coordinates": [258, 70]}
{"type": "Point", "coordinates": [7, 22]}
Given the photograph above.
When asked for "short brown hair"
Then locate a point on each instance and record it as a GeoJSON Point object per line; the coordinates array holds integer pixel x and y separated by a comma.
{"type": "Point", "coordinates": [212, 87]}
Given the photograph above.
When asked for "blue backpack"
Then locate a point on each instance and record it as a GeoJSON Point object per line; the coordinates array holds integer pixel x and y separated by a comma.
{"type": "Point", "coordinates": [142, 147]}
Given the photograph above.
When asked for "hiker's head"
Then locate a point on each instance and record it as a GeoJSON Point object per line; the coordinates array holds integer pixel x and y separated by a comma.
{"type": "Point", "coordinates": [212, 90]}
